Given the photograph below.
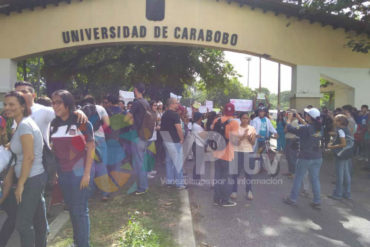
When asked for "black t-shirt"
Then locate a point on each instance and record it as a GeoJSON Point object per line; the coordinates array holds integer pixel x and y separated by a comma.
{"type": "Point", "coordinates": [168, 121]}
{"type": "Point", "coordinates": [138, 111]}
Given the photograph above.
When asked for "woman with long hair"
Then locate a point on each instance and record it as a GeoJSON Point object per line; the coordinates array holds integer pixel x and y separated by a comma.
{"type": "Point", "coordinates": [27, 145]}
{"type": "Point", "coordinates": [73, 145]}
{"type": "Point", "coordinates": [243, 152]}
{"type": "Point", "coordinates": [309, 155]}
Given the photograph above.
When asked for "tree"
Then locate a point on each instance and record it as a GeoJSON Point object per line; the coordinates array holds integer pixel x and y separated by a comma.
{"type": "Point", "coordinates": [358, 10]}
{"type": "Point", "coordinates": [219, 94]}
{"type": "Point", "coordinates": [163, 69]}
{"type": "Point", "coordinates": [30, 70]}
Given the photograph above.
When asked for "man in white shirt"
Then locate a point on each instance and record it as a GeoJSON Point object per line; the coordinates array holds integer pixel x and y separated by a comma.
{"type": "Point", "coordinates": [42, 115]}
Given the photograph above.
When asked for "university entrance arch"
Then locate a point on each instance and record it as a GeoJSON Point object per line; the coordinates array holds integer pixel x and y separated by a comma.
{"type": "Point", "coordinates": [313, 46]}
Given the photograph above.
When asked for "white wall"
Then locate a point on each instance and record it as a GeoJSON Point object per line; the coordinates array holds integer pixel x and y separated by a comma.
{"type": "Point", "coordinates": [306, 83]}
{"type": "Point", "coordinates": [8, 74]}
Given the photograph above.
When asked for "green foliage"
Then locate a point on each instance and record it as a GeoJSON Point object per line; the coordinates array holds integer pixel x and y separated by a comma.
{"type": "Point", "coordinates": [219, 93]}
{"type": "Point", "coordinates": [30, 70]}
{"type": "Point", "coordinates": [137, 236]}
{"type": "Point", "coordinates": [163, 69]}
{"type": "Point", "coordinates": [358, 10]}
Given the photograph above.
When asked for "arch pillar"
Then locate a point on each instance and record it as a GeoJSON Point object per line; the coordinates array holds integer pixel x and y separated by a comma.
{"type": "Point", "coordinates": [8, 76]}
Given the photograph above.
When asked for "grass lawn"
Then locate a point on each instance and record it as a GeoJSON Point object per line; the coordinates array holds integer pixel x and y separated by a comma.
{"type": "Point", "coordinates": [153, 218]}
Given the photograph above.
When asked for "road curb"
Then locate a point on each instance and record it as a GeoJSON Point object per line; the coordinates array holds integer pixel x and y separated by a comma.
{"type": "Point", "coordinates": [57, 224]}
{"type": "Point", "coordinates": [185, 230]}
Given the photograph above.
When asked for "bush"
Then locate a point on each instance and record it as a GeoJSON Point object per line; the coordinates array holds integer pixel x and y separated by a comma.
{"type": "Point", "coordinates": [137, 236]}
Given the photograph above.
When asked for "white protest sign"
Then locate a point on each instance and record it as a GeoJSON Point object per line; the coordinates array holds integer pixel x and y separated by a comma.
{"type": "Point", "coordinates": [203, 109]}
{"type": "Point", "coordinates": [190, 112]}
{"type": "Point", "coordinates": [172, 95]}
{"type": "Point", "coordinates": [126, 96]}
{"type": "Point", "coordinates": [242, 104]}
{"type": "Point", "coordinates": [260, 96]}
{"type": "Point", "coordinates": [209, 105]}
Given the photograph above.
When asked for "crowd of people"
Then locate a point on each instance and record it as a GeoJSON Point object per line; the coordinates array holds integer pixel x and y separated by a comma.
{"type": "Point", "coordinates": [91, 142]}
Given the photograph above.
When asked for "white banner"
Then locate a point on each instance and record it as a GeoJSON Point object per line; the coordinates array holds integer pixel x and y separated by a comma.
{"type": "Point", "coordinates": [203, 109]}
{"type": "Point", "coordinates": [172, 95]}
{"type": "Point", "coordinates": [242, 104]}
{"type": "Point", "coordinates": [209, 105]}
{"type": "Point", "coordinates": [126, 96]}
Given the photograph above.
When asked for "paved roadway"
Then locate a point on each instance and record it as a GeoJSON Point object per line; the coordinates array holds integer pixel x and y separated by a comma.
{"type": "Point", "coordinates": [266, 221]}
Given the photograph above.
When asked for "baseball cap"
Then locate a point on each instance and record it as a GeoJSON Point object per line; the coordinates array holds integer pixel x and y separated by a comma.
{"type": "Point", "coordinates": [229, 109]}
{"type": "Point", "coordinates": [2, 122]}
{"type": "Point", "coordinates": [313, 112]}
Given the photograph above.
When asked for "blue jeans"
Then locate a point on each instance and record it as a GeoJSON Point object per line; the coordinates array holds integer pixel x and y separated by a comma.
{"type": "Point", "coordinates": [223, 182]}
{"type": "Point", "coordinates": [174, 163]}
{"type": "Point", "coordinates": [343, 178]}
{"type": "Point", "coordinates": [241, 156]}
{"type": "Point", "coordinates": [313, 166]}
{"type": "Point", "coordinates": [10, 207]}
{"type": "Point", "coordinates": [31, 221]}
{"type": "Point", "coordinates": [291, 150]}
{"type": "Point", "coordinates": [139, 150]}
{"type": "Point", "coordinates": [77, 202]}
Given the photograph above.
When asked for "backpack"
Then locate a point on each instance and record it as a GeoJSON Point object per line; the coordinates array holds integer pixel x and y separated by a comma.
{"type": "Point", "coordinates": [346, 152]}
{"type": "Point", "coordinates": [93, 116]}
{"type": "Point", "coordinates": [146, 129]}
{"type": "Point", "coordinates": [215, 142]}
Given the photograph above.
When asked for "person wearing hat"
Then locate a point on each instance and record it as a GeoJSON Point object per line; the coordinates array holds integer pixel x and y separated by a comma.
{"type": "Point", "coordinates": [263, 126]}
{"type": "Point", "coordinates": [224, 156]}
{"type": "Point", "coordinates": [309, 155]}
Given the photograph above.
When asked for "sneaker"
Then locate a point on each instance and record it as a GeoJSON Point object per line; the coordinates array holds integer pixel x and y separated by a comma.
{"type": "Point", "coordinates": [228, 204]}
{"type": "Point", "coordinates": [288, 201]}
{"type": "Point", "coordinates": [140, 192]}
{"type": "Point", "coordinates": [154, 172]}
{"type": "Point", "coordinates": [233, 195]}
{"type": "Point", "coordinates": [182, 187]}
{"type": "Point", "coordinates": [305, 193]}
{"type": "Point", "coordinates": [250, 196]}
{"type": "Point", "coordinates": [216, 203]}
{"type": "Point", "coordinates": [150, 176]}
{"type": "Point", "coordinates": [337, 198]}
{"type": "Point", "coordinates": [315, 205]}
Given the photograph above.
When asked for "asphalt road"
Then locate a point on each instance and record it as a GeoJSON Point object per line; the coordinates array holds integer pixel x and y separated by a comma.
{"type": "Point", "coordinates": [266, 221]}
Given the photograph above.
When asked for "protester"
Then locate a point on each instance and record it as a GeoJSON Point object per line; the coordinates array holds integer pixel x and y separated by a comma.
{"type": "Point", "coordinates": [309, 156]}
{"type": "Point", "coordinates": [140, 144]}
{"type": "Point", "coordinates": [292, 146]}
{"type": "Point", "coordinates": [100, 118]}
{"type": "Point", "coordinates": [27, 144]}
{"type": "Point", "coordinates": [121, 104]}
{"type": "Point", "coordinates": [280, 128]}
{"type": "Point", "coordinates": [198, 146]}
{"type": "Point", "coordinates": [173, 138]}
{"type": "Point", "coordinates": [227, 128]}
{"type": "Point", "coordinates": [161, 153]}
{"type": "Point", "coordinates": [153, 139]}
{"type": "Point", "coordinates": [362, 125]}
{"type": "Point", "coordinates": [327, 123]}
{"type": "Point", "coordinates": [243, 151]}
{"type": "Point", "coordinates": [8, 202]}
{"type": "Point", "coordinates": [263, 128]}
{"type": "Point", "coordinates": [74, 171]}
{"type": "Point", "coordinates": [44, 100]}
{"type": "Point", "coordinates": [342, 163]}
{"type": "Point", "coordinates": [129, 105]}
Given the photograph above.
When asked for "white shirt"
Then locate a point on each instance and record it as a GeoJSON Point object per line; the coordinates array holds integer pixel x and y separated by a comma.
{"type": "Point", "coordinates": [43, 115]}
{"type": "Point", "coordinates": [102, 113]}
{"type": "Point", "coordinates": [196, 129]}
